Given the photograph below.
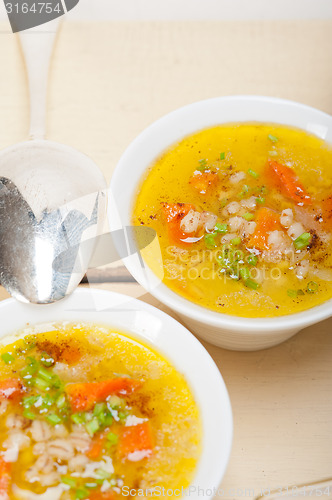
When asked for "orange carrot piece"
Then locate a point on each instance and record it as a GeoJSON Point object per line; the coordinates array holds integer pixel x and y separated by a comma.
{"type": "Point", "coordinates": [203, 180]}
{"type": "Point", "coordinates": [287, 181]}
{"type": "Point", "coordinates": [136, 438]}
{"type": "Point", "coordinates": [11, 388]}
{"type": "Point", "coordinates": [5, 479]}
{"type": "Point", "coordinates": [266, 220]}
{"type": "Point", "coordinates": [83, 397]}
{"type": "Point", "coordinates": [174, 213]}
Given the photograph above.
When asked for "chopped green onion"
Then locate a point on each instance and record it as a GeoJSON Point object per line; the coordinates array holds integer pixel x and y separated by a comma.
{"type": "Point", "coordinates": [56, 382]}
{"type": "Point", "coordinates": [93, 426]}
{"type": "Point", "coordinates": [312, 287]}
{"type": "Point", "coordinates": [300, 292]}
{"type": "Point", "coordinates": [46, 360]}
{"type": "Point", "coordinates": [48, 401]}
{"type": "Point", "coordinates": [77, 418]}
{"type": "Point", "coordinates": [45, 374]}
{"type": "Point", "coordinates": [244, 273]}
{"type": "Point", "coordinates": [248, 216]}
{"type": "Point", "coordinates": [81, 493]}
{"type": "Point", "coordinates": [292, 293]}
{"type": "Point", "coordinates": [222, 156]}
{"type": "Point", "coordinates": [260, 200]}
{"type": "Point", "coordinates": [70, 481]}
{"type": "Point", "coordinates": [91, 485]}
{"type": "Point", "coordinates": [122, 415]}
{"type": "Point", "coordinates": [221, 228]}
{"type": "Point", "coordinates": [252, 259]}
{"type": "Point", "coordinates": [29, 414]}
{"type": "Point", "coordinates": [253, 174]}
{"type": "Point", "coordinates": [7, 358]}
{"type": "Point", "coordinates": [29, 401]}
{"type": "Point", "coordinates": [41, 384]}
{"type": "Point", "coordinates": [53, 419]}
{"type": "Point", "coordinates": [236, 241]}
{"type": "Point", "coordinates": [202, 164]}
{"type": "Point", "coordinates": [209, 240]}
{"type": "Point", "coordinates": [273, 138]}
{"type": "Point", "coordinates": [251, 284]}
{"type": "Point", "coordinates": [115, 402]}
{"type": "Point", "coordinates": [302, 241]}
{"type": "Point", "coordinates": [61, 401]}
{"type": "Point", "coordinates": [273, 153]}
{"type": "Point", "coordinates": [112, 438]}
{"type": "Point", "coordinates": [103, 474]}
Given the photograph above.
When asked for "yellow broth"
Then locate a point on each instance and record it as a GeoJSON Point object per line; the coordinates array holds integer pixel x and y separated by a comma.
{"type": "Point", "coordinates": [85, 354]}
{"type": "Point", "coordinates": [235, 161]}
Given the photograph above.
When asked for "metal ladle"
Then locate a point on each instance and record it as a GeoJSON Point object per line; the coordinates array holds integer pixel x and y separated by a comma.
{"type": "Point", "coordinates": [52, 197]}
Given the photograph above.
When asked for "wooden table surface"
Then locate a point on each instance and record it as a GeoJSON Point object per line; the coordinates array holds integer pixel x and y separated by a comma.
{"type": "Point", "coordinates": [108, 81]}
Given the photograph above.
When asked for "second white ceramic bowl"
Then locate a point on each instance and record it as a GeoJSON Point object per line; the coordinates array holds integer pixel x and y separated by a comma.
{"type": "Point", "coordinates": [220, 329]}
{"type": "Point", "coordinates": [163, 333]}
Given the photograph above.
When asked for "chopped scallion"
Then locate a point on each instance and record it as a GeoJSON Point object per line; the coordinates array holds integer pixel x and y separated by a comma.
{"type": "Point", "coordinates": [81, 493]}
{"type": "Point", "coordinates": [236, 241]}
{"type": "Point", "coordinates": [29, 414]}
{"type": "Point", "coordinates": [273, 138]}
{"type": "Point", "coordinates": [248, 216]}
{"type": "Point", "coordinates": [77, 418]}
{"type": "Point", "coordinates": [70, 481]}
{"type": "Point", "coordinates": [252, 259]}
{"type": "Point", "coordinates": [47, 360]}
{"type": "Point", "coordinates": [244, 191]}
{"type": "Point", "coordinates": [209, 240]}
{"type": "Point", "coordinates": [93, 426]}
{"type": "Point", "coordinates": [222, 156]}
{"type": "Point", "coordinates": [260, 200]}
{"type": "Point", "coordinates": [244, 273]}
{"type": "Point", "coordinates": [312, 287]}
{"type": "Point", "coordinates": [251, 284]}
{"type": "Point", "coordinates": [112, 438]}
{"type": "Point", "coordinates": [221, 228]}
{"type": "Point", "coordinates": [292, 293]}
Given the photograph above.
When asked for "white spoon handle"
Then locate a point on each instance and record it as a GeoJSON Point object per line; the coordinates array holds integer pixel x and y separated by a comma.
{"type": "Point", "coordinates": [37, 45]}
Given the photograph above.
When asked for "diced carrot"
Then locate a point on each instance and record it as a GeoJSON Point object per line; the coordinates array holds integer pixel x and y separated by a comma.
{"type": "Point", "coordinates": [203, 180]}
{"type": "Point", "coordinates": [96, 447]}
{"type": "Point", "coordinates": [136, 438]}
{"type": "Point", "coordinates": [288, 183]}
{"type": "Point", "coordinates": [11, 388]}
{"type": "Point", "coordinates": [266, 220]}
{"type": "Point", "coordinates": [5, 479]}
{"type": "Point", "coordinates": [174, 213]}
{"type": "Point", "coordinates": [83, 397]}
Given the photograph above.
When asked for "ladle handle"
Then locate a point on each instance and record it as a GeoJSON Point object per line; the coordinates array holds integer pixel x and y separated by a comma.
{"type": "Point", "coordinates": [37, 45]}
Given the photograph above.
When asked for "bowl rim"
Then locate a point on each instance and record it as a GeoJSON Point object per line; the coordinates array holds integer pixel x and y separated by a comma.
{"type": "Point", "coordinates": [269, 325]}
{"type": "Point", "coordinates": [77, 308]}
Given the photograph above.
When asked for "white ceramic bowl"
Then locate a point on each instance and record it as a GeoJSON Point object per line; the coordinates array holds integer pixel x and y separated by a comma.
{"type": "Point", "coordinates": [220, 329]}
{"type": "Point", "coordinates": [169, 337]}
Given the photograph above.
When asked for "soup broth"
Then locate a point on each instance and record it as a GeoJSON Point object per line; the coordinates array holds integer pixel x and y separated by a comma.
{"type": "Point", "coordinates": [243, 215]}
{"type": "Point", "coordinates": [88, 412]}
